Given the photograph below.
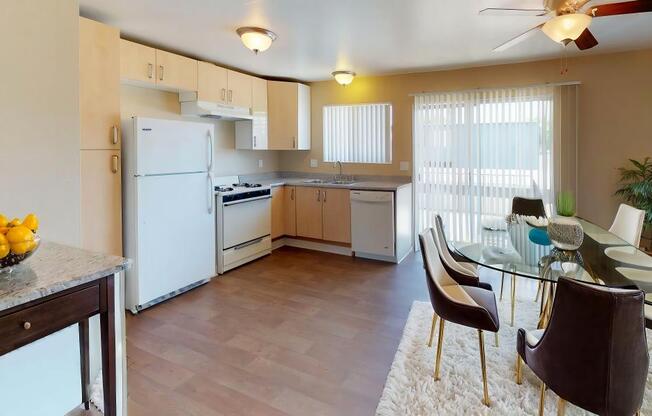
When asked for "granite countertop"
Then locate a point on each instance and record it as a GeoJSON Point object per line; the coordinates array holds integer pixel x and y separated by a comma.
{"type": "Point", "coordinates": [52, 269]}
{"type": "Point", "coordinates": [364, 185]}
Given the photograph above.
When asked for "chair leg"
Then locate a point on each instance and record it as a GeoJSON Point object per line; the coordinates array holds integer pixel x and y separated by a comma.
{"type": "Point", "coordinates": [542, 398]}
{"type": "Point", "coordinates": [561, 407]}
{"type": "Point", "coordinates": [432, 328]}
{"type": "Point", "coordinates": [485, 399]}
{"type": "Point", "coordinates": [502, 284]}
{"type": "Point", "coordinates": [513, 296]}
{"type": "Point", "coordinates": [536, 298]}
{"type": "Point", "coordinates": [518, 369]}
{"type": "Point", "coordinates": [496, 335]}
{"type": "Point", "coordinates": [440, 341]}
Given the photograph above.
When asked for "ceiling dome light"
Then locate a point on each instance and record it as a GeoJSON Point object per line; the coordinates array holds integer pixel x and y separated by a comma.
{"type": "Point", "coordinates": [566, 27]}
{"type": "Point", "coordinates": [344, 77]}
{"type": "Point", "coordinates": [255, 38]}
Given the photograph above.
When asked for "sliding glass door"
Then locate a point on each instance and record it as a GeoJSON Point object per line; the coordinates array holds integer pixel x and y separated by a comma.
{"type": "Point", "coordinates": [475, 150]}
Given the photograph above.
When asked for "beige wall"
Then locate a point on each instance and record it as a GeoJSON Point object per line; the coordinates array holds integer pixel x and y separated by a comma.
{"type": "Point", "coordinates": [615, 115]}
{"type": "Point", "coordinates": [39, 115]}
{"type": "Point", "coordinates": [137, 101]}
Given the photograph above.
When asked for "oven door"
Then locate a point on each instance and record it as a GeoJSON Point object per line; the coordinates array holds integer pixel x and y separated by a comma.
{"type": "Point", "coordinates": [245, 221]}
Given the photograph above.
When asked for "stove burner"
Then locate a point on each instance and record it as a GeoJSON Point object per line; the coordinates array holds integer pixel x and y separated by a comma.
{"type": "Point", "coordinates": [248, 185]}
{"type": "Point", "coordinates": [223, 189]}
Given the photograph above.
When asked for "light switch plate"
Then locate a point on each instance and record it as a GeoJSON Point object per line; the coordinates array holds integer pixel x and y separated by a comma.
{"type": "Point", "coordinates": [313, 163]}
{"type": "Point", "coordinates": [260, 163]}
{"type": "Point", "coordinates": [404, 165]}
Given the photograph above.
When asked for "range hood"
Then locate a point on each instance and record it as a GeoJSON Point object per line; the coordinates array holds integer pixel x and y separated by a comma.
{"type": "Point", "coordinates": [190, 106]}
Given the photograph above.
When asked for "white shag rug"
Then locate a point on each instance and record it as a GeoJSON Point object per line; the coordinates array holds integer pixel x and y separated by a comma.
{"type": "Point", "coordinates": [410, 389]}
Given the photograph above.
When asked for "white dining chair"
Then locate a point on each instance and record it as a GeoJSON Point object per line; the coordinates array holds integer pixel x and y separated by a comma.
{"type": "Point", "coordinates": [628, 224]}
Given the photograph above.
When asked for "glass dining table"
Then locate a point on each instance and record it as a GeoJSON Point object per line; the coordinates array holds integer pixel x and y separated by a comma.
{"type": "Point", "coordinates": [514, 249]}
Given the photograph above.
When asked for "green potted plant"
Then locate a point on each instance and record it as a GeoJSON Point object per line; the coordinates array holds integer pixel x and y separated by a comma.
{"type": "Point", "coordinates": [564, 230]}
{"type": "Point", "coordinates": [565, 204]}
{"type": "Point", "coordinates": [636, 189]}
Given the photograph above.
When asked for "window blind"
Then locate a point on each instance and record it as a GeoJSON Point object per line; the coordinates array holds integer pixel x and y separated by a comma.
{"type": "Point", "coordinates": [360, 133]}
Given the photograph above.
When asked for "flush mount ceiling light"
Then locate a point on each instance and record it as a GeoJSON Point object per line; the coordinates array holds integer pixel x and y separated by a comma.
{"type": "Point", "coordinates": [344, 77]}
{"type": "Point", "coordinates": [255, 38]}
{"type": "Point", "coordinates": [566, 27]}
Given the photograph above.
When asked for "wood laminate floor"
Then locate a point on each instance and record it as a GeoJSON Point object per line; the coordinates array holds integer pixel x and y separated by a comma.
{"type": "Point", "coordinates": [296, 333]}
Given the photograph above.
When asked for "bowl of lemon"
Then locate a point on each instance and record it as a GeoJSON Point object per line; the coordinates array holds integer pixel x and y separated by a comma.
{"type": "Point", "coordinates": [18, 240]}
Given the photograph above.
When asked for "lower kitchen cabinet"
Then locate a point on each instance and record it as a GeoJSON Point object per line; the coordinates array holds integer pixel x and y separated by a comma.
{"type": "Point", "coordinates": [278, 211]}
{"type": "Point", "coordinates": [290, 209]}
{"type": "Point", "coordinates": [309, 212]}
{"type": "Point", "coordinates": [336, 215]}
{"type": "Point", "coordinates": [101, 201]}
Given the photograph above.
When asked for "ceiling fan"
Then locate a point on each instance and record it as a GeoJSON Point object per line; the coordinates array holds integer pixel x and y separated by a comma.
{"type": "Point", "coordinates": [569, 20]}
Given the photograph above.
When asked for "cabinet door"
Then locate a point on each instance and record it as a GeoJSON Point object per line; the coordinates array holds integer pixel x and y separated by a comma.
{"type": "Point", "coordinates": [99, 85]}
{"type": "Point", "coordinates": [211, 83]}
{"type": "Point", "coordinates": [337, 215]}
{"type": "Point", "coordinates": [278, 212]}
{"type": "Point", "coordinates": [309, 221]}
{"type": "Point", "coordinates": [101, 203]}
{"type": "Point", "coordinates": [290, 207]}
{"type": "Point", "coordinates": [239, 93]}
{"type": "Point", "coordinates": [175, 72]}
{"type": "Point", "coordinates": [259, 112]}
{"type": "Point", "coordinates": [282, 115]}
{"type": "Point", "coordinates": [137, 62]}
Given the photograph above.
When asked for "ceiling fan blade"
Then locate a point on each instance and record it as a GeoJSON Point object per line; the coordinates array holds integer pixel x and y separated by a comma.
{"type": "Point", "coordinates": [627, 7]}
{"type": "Point", "coordinates": [502, 11]}
{"type": "Point", "coordinates": [518, 39]}
{"type": "Point", "coordinates": [586, 40]}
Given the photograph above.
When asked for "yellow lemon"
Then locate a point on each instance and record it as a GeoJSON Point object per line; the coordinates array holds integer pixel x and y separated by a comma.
{"type": "Point", "coordinates": [15, 222]}
{"type": "Point", "coordinates": [21, 248]}
{"type": "Point", "coordinates": [4, 230]}
{"type": "Point", "coordinates": [4, 246]}
{"type": "Point", "coordinates": [31, 222]}
{"type": "Point", "coordinates": [19, 234]}
{"type": "Point", "coordinates": [3, 221]}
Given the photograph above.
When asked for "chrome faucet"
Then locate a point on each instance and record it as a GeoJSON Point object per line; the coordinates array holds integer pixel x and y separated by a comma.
{"type": "Point", "coordinates": [338, 163]}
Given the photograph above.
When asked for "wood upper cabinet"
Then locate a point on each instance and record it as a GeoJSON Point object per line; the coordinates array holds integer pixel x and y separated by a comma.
{"type": "Point", "coordinates": [240, 88]}
{"type": "Point", "coordinates": [101, 202]}
{"type": "Point", "coordinates": [309, 212]}
{"type": "Point", "coordinates": [99, 85]}
{"type": "Point", "coordinates": [290, 207]}
{"type": "Point", "coordinates": [175, 71]}
{"type": "Point", "coordinates": [137, 62]}
{"type": "Point", "coordinates": [336, 215]}
{"type": "Point", "coordinates": [212, 84]}
{"type": "Point", "coordinates": [288, 105]}
{"type": "Point", "coordinates": [259, 96]}
{"type": "Point", "coordinates": [278, 211]}
{"type": "Point", "coordinates": [252, 134]}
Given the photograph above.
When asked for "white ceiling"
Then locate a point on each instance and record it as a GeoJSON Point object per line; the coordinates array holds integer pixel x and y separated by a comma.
{"type": "Point", "coordinates": [316, 37]}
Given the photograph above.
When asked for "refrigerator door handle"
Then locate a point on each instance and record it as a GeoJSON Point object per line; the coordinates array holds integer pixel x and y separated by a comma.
{"type": "Point", "coordinates": [211, 194]}
{"type": "Point", "coordinates": [210, 151]}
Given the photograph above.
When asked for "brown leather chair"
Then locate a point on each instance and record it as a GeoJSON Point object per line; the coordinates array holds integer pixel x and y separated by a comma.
{"type": "Point", "coordinates": [465, 305]}
{"type": "Point", "coordinates": [593, 352]}
{"type": "Point", "coordinates": [528, 206]}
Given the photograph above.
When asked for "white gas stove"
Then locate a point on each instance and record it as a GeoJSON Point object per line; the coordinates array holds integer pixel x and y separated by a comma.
{"type": "Point", "coordinates": [243, 222]}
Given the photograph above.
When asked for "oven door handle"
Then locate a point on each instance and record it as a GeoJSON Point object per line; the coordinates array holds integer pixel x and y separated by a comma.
{"type": "Point", "coordinates": [248, 243]}
{"type": "Point", "coordinates": [242, 201]}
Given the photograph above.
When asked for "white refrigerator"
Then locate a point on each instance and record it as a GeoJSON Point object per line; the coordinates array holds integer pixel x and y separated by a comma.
{"type": "Point", "coordinates": [168, 208]}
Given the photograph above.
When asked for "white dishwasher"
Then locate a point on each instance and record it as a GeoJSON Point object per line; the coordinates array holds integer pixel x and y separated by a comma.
{"type": "Point", "coordinates": [372, 223]}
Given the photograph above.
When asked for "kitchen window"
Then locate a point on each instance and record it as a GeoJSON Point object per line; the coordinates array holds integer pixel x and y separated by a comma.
{"type": "Point", "coordinates": [360, 133]}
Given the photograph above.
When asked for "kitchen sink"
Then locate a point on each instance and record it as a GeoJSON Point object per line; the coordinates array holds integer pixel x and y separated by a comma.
{"type": "Point", "coordinates": [342, 182]}
{"type": "Point", "coordinates": [316, 181]}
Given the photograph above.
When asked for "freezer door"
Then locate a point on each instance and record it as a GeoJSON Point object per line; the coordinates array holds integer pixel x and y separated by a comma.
{"type": "Point", "coordinates": [176, 233]}
{"type": "Point", "coordinates": [172, 146]}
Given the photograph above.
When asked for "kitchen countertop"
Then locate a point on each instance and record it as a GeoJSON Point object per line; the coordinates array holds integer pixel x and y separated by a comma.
{"type": "Point", "coordinates": [361, 185]}
{"type": "Point", "coordinates": [52, 269]}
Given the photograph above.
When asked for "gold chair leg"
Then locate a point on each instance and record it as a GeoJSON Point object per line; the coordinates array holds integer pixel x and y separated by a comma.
{"type": "Point", "coordinates": [502, 284]}
{"type": "Point", "coordinates": [561, 407]}
{"type": "Point", "coordinates": [432, 328]}
{"type": "Point", "coordinates": [536, 298]}
{"type": "Point", "coordinates": [485, 399]}
{"type": "Point", "coordinates": [513, 296]}
{"type": "Point", "coordinates": [542, 398]}
{"type": "Point", "coordinates": [496, 335]}
{"type": "Point", "coordinates": [440, 341]}
{"type": "Point", "coordinates": [518, 369]}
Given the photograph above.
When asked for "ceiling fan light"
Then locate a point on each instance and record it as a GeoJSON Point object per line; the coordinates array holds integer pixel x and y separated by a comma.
{"type": "Point", "coordinates": [256, 38]}
{"type": "Point", "coordinates": [343, 77]}
{"type": "Point", "coordinates": [566, 26]}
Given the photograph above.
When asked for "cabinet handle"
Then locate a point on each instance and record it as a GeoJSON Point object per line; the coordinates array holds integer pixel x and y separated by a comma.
{"type": "Point", "coordinates": [27, 325]}
{"type": "Point", "coordinates": [318, 195]}
{"type": "Point", "coordinates": [114, 140]}
{"type": "Point", "coordinates": [223, 94]}
{"type": "Point", "coordinates": [114, 163]}
{"type": "Point", "coordinates": [160, 77]}
{"type": "Point", "coordinates": [294, 142]}
{"type": "Point", "coordinates": [230, 96]}
{"type": "Point", "coordinates": [324, 196]}
{"type": "Point", "coordinates": [292, 194]}
{"type": "Point", "coordinates": [254, 142]}
{"type": "Point", "coordinates": [150, 71]}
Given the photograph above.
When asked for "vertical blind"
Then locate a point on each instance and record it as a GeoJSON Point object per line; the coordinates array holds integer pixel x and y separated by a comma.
{"type": "Point", "coordinates": [475, 150]}
{"type": "Point", "coordinates": [359, 133]}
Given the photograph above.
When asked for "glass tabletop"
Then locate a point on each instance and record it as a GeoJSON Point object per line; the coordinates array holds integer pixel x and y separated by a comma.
{"type": "Point", "coordinates": [603, 258]}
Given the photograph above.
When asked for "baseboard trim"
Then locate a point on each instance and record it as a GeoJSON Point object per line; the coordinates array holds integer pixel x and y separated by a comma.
{"type": "Point", "coordinates": [311, 245]}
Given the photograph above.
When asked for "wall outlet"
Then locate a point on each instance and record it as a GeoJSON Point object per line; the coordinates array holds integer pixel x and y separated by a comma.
{"type": "Point", "coordinates": [404, 165]}
{"type": "Point", "coordinates": [313, 163]}
{"type": "Point", "coordinates": [260, 163]}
